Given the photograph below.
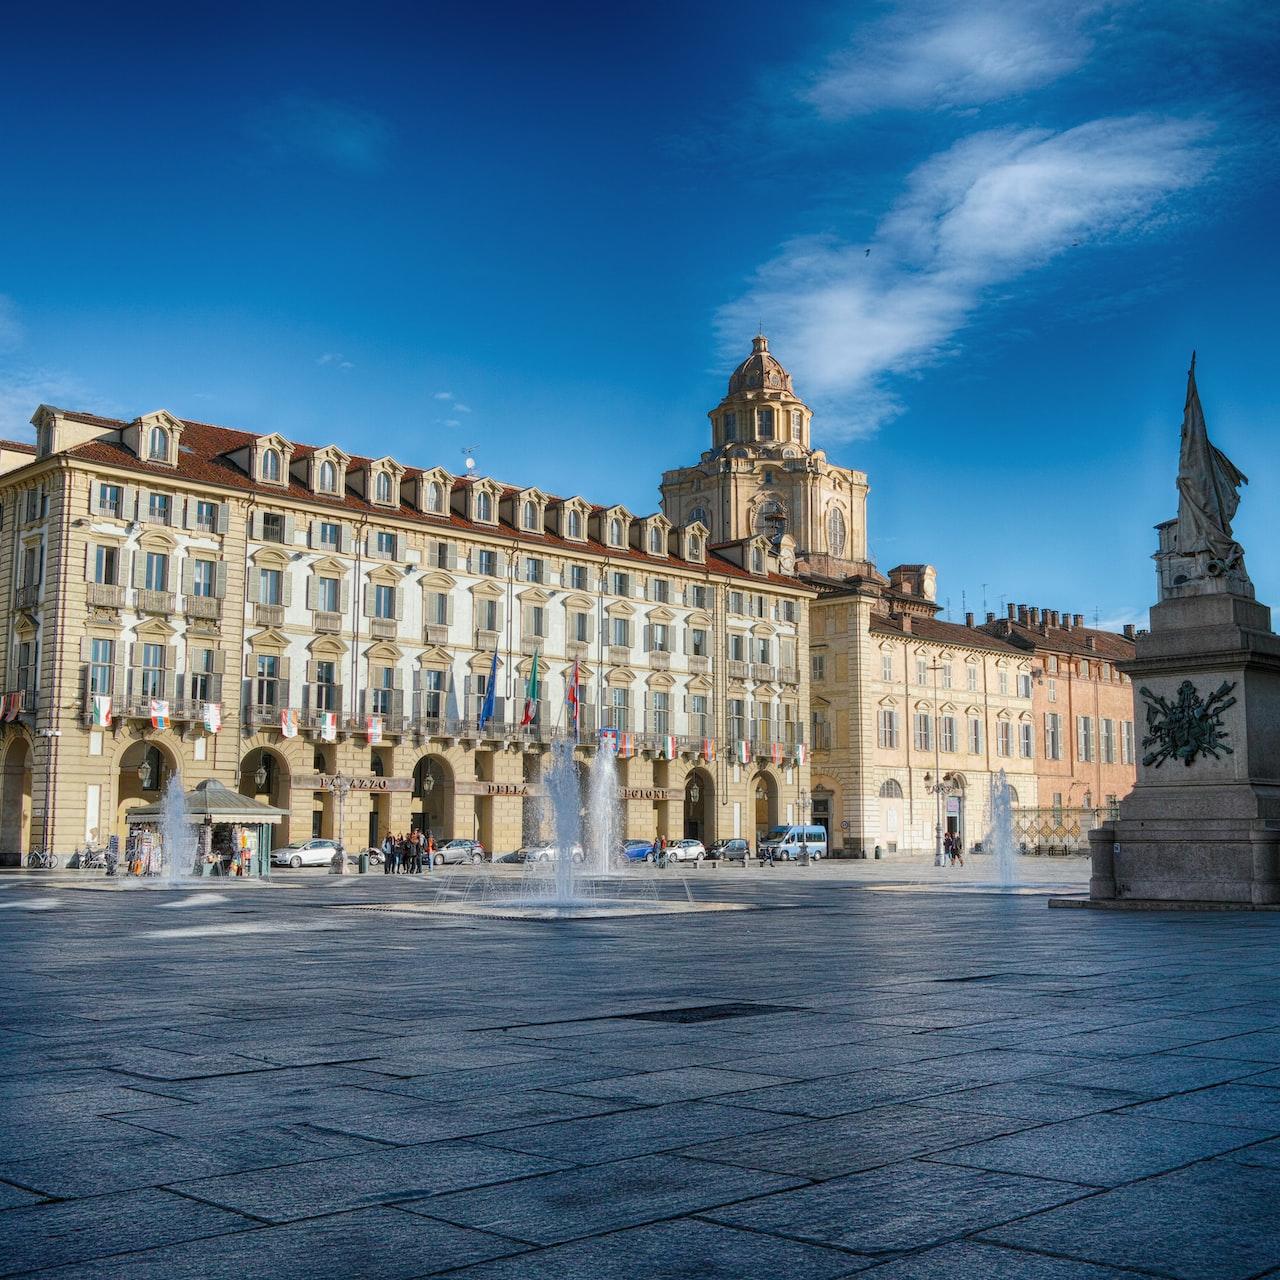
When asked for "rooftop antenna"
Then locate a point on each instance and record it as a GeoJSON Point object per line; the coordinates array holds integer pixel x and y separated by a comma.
{"type": "Point", "coordinates": [948, 608]}
{"type": "Point", "coordinates": [469, 461]}
{"type": "Point", "coordinates": [964, 602]}
{"type": "Point", "coordinates": [984, 599]}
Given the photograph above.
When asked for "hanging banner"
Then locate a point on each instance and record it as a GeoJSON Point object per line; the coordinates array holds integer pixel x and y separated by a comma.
{"type": "Point", "coordinates": [159, 713]}
{"type": "Point", "coordinates": [609, 740]}
{"type": "Point", "coordinates": [373, 730]}
{"type": "Point", "coordinates": [775, 752]}
{"type": "Point", "coordinates": [626, 745]}
{"type": "Point", "coordinates": [212, 717]}
{"type": "Point", "coordinates": [742, 753]}
{"type": "Point", "coordinates": [709, 750]}
{"type": "Point", "coordinates": [101, 710]}
{"type": "Point", "coordinates": [289, 722]}
{"type": "Point", "coordinates": [801, 755]}
{"type": "Point", "coordinates": [329, 726]}
{"type": "Point", "coordinates": [666, 747]}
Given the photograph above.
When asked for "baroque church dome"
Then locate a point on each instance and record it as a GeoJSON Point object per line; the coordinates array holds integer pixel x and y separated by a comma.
{"type": "Point", "coordinates": [759, 371]}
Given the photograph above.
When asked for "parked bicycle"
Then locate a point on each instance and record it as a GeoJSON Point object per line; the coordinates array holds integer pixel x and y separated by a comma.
{"type": "Point", "coordinates": [42, 859]}
{"type": "Point", "coordinates": [89, 859]}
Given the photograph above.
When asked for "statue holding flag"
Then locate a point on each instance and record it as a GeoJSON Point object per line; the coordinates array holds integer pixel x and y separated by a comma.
{"type": "Point", "coordinates": [1198, 552]}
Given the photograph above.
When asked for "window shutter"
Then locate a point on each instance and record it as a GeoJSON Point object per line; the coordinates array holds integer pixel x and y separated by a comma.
{"type": "Point", "coordinates": [344, 539]}
{"type": "Point", "coordinates": [500, 618]}
{"type": "Point", "coordinates": [284, 674]}
{"type": "Point", "coordinates": [95, 493]}
{"type": "Point", "coordinates": [255, 526]}
{"type": "Point", "coordinates": [648, 638]}
{"type": "Point", "coordinates": [252, 585]}
{"type": "Point", "coordinates": [86, 648]}
{"type": "Point", "coordinates": [129, 503]}
{"type": "Point", "coordinates": [139, 568]}
{"type": "Point", "coordinates": [448, 610]}
{"type": "Point", "coordinates": [290, 525]}
{"type": "Point", "coordinates": [313, 535]}
{"type": "Point", "coordinates": [313, 671]}
{"type": "Point", "coordinates": [344, 593]}
{"type": "Point", "coordinates": [219, 661]}
{"type": "Point", "coordinates": [313, 594]}
{"type": "Point", "coordinates": [222, 518]}
{"type": "Point", "coordinates": [90, 561]}
{"type": "Point", "coordinates": [188, 575]}
{"type": "Point", "coordinates": [368, 599]}
{"type": "Point", "coordinates": [215, 688]}
{"type": "Point", "coordinates": [220, 579]}
{"type": "Point", "coordinates": [399, 594]}
{"type": "Point", "coordinates": [188, 512]}
{"type": "Point", "coordinates": [286, 589]}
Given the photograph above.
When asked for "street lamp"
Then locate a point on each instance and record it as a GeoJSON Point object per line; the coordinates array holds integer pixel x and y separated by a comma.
{"type": "Point", "coordinates": [694, 794]}
{"type": "Point", "coordinates": [144, 773]}
{"type": "Point", "coordinates": [340, 786]}
{"type": "Point", "coordinates": [260, 775]}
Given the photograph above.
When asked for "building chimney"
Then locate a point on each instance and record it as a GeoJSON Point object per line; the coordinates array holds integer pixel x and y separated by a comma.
{"type": "Point", "coordinates": [905, 619]}
{"type": "Point", "coordinates": [1079, 619]}
{"type": "Point", "coordinates": [968, 619]}
{"type": "Point", "coordinates": [1022, 614]}
{"type": "Point", "coordinates": [1090, 642]}
{"type": "Point", "coordinates": [1010, 611]}
{"type": "Point", "coordinates": [1130, 631]}
{"type": "Point", "coordinates": [1066, 622]}
{"type": "Point", "coordinates": [991, 617]}
{"type": "Point", "coordinates": [1053, 617]}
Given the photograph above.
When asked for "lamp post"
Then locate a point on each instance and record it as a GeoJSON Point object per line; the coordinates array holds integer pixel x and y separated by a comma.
{"type": "Point", "coordinates": [340, 785]}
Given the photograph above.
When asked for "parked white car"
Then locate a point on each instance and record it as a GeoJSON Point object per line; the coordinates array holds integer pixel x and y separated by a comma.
{"type": "Point", "coordinates": [307, 853]}
{"type": "Point", "coordinates": [686, 851]}
{"type": "Point", "coordinates": [539, 852]}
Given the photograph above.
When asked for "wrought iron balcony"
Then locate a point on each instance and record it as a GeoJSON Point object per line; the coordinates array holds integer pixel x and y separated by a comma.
{"type": "Point", "coordinates": [26, 597]}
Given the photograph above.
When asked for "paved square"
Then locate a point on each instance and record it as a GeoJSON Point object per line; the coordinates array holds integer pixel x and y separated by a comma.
{"type": "Point", "coordinates": [926, 1084]}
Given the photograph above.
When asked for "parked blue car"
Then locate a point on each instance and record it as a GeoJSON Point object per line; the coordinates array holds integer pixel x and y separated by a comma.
{"type": "Point", "coordinates": [637, 850]}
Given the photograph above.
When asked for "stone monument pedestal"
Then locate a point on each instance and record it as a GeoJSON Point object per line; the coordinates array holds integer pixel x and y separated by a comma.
{"type": "Point", "coordinates": [1203, 822]}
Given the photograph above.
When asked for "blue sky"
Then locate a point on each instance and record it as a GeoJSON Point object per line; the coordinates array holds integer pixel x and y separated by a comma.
{"type": "Point", "coordinates": [548, 233]}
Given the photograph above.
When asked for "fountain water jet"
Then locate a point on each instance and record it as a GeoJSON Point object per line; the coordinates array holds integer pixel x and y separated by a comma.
{"type": "Point", "coordinates": [178, 840]}
{"type": "Point", "coordinates": [1000, 838]}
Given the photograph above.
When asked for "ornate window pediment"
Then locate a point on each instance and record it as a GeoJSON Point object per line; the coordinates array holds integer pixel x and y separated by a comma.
{"type": "Point", "coordinates": [327, 471]}
{"type": "Point", "coordinates": [433, 489]}
{"type": "Point", "coordinates": [438, 580]}
{"type": "Point", "coordinates": [483, 496]}
{"type": "Point", "coordinates": [380, 479]}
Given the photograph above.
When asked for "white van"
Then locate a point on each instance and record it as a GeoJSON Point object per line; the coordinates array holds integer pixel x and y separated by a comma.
{"type": "Point", "coordinates": [790, 842]}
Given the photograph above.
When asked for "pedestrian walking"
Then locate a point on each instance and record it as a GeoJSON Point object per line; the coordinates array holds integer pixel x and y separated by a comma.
{"type": "Point", "coordinates": [957, 850]}
{"type": "Point", "coordinates": [948, 847]}
{"type": "Point", "coordinates": [431, 850]}
{"type": "Point", "coordinates": [387, 860]}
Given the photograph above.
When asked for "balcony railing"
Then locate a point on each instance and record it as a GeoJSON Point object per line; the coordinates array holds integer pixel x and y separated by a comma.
{"type": "Point", "coordinates": [738, 670]}
{"type": "Point", "coordinates": [209, 607]}
{"type": "Point", "coordinates": [104, 595]}
{"type": "Point", "coordinates": [162, 602]}
{"type": "Point", "coordinates": [659, 660]}
{"type": "Point", "coordinates": [764, 671]}
{"type": "Point", "coordinates": [435, 633]}
{"type": "Point", "coordinates": [27, 700]}
{"type": "Point", "coordinates": [264, 713]}
{"type": "Point", "coordinates": [138, 707]}
{"type": "Point", "coordinates": [268, 615]}
{"type": "Point", "coordinates": [383, 628]}
{"type": "Point", "coordinates": [789, 675]}
{"type": "Point", "coordinates": [619, 654]}
{"type": "Point", "coordinates": [487, 641]}
{"type": "Point", "coordinates": [26, 597]}
{"type": "Point", "coordinates": [699, 664]}
{"type": "Point", "coordinates": [327, 623]}
{"type": "Point", "coordinates": [533, 644]}
{"type": "Point", "coordinates": [822, 737]}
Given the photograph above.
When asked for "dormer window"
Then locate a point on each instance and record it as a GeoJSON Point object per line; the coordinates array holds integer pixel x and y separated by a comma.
{"type": "Point", "coordinates": [271, 465]}
{"type": "Point", "coordinates": [382, 488]}
{"type": "Point", "coordinates": [575, 524]}
{"type": "Point", "coordinates": [757, 560]}
{"type": "Point", "coordinates": [484, 506]}
{"type": "Point", "coordinates": [657, 542]}
{"type": "Point", "coordinates": [615, 532]}
{"type": "Point", "coordinates": [435, 497]}
{"type": "Point", "coordinates": [529, 515]}
{"type": "Point", "coordinates": [158, 445]}
{"type": "Point", "coordinates": [327, 481]}
{"type": "Point", "coordinates": [695, 547]}
{"type": "Point", "coordinates": [766, 424]}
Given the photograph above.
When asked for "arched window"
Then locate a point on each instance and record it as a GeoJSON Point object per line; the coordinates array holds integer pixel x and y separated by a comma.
{"type": "Point", "coordinates": [1013, 796]}
{"type": "Point", "coordinates": [271, 464]}
{"type": "Point", "coordinates": [657, 541]}
{"type": "Point", "coordinates": [766, 424]}
{"type": "Point", "coordinates": [435, 496]}
{"type": "Point", "coordinates": [615, 531]}
{"type": "Point", "coordinates": [484, 506]}
{"type": "Point", "coordinates": [529, 518]}
{"type": "Point", "coordinates": [891, 790]}
{"type": "Point", "coordinates": [699, 516]}
{"type": "Point", "coordinates": [575, 523]}
{"type": "Point", "coordinates": [382, 487]}
{"type": "Point", "coordinates": [328, 482]}
{"type": "Point", "coordinates": [836, 532]}
{"type": "Point", "coordinates": [695, 548]}
{"type": "Point", "coordinates": [158, 445]}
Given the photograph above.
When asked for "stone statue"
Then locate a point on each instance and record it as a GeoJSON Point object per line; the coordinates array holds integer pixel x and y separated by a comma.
{"type": "Point", "coordinates": [1208, 484]}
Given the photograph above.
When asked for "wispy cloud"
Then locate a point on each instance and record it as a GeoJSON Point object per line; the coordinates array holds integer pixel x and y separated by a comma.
{"type": "Point", "coordinates": [462, 408]}
{"type": "Point", "coordinates": [448, 422]}
{"type": "Point", "coordinates": [335, 360]}
{"type": "Point", "coordinates": [975, 217]}
{"type": "Point", "coordinates": [443, 395]}
{"type": "Point", "coordinates": [10, 325]}
{"type": "Point", "coordinates": [22, 389]}
{"type": "Point", "coordinates": [952, 54]}
{"type": "Point", "coordinates": [336, 134]}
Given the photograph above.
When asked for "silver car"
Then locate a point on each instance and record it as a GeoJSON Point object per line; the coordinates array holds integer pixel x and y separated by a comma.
{"type": "Point", "coordinates": [306, 853]}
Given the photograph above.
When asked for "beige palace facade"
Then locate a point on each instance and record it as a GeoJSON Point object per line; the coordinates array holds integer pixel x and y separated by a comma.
{"type": "Point", "coordinates": [342, 614]}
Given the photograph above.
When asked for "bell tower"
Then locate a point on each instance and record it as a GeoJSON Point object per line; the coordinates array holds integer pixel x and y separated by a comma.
{"type": "Point", "coordinates": [762, 475]}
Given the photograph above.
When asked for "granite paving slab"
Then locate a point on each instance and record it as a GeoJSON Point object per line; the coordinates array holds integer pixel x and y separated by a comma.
{"type": "Point", "coordinates": [1213, 1221]}
{"type": "Point", "coordinates": [1243, 1104]}
{"type": "Point", "coordinates": [368, 1178]}
{"type": "Point", "coordinates": [965, 1260]}
{"type": "Point", "coordinates": [685, 1085]}
{"type": "Point", "coordinates": [1102, 1150]}
{"type": "Point", "coordinates": [373, 1244]}
{"type": "Point", "coordinates": [686, 1249]}
{"type": "Point", "coordinates": [842, 1144]}
{"type": "Point", "coordinates": [1253, 1046]}
{"type": "Point", "coordinates": [1158, 1075]}
{"type": "Point", "coordinates": [839, 1095]}
{"type": "Point", "coordinates": [586, 1202]}
{"type": "Point", "coordinates": [47, 1235]}
{"type": "Point", "coordinates": [891, 1210]}
{"type": "Point", "coordinates": [1031, 1099]}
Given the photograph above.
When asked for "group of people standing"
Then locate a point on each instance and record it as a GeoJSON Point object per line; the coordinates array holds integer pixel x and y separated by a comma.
{"type": "Point", "coordinates": [952, 849]}
{"type": "Point", "coordinates": [406, 854]}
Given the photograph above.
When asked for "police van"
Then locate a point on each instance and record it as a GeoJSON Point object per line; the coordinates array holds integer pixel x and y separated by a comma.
{"type": "Point", "coordinates": [790, 842]}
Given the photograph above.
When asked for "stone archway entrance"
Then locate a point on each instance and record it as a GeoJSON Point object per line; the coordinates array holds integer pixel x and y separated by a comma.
{"type": "Point", "coordinates": [264, 775]}
{"type": "Point", "coordinates": [144, 770]}
{"type": "Point", "coordinates": [433, 797]}
{"type": "Point", "coordinates": [699, 806]}
{"type": "Point", "coordinates": [764, 791]}
{"type": "Point", "coordinates": [15, 803]}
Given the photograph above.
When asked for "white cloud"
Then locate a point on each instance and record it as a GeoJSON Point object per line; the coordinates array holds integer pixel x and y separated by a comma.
{"type": "Point", "coordinates": [448, 422]}
{"type": "Point", "coordinates": [21, 390]}
{"type": "Point", "coordinates": [462, 408]}
{"type": "Point", "coordinates": [977, 216]}
{"type": "Point", "coordinates": [335, 359]}
{"type": "Point", "coordinates": [10, 325]}
{"type": "Point", "coordinates": [443, 395]}
{"type": "Point", "coordinates": [952, 53]}
{"type": "Point", "coordinates": [1139, 618]}
{"type": "Point", "coordinates": [336, 134]}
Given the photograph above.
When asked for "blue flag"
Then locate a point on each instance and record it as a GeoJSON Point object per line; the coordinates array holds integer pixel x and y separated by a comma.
{"type": "Point", "coordinates": [486, 710]}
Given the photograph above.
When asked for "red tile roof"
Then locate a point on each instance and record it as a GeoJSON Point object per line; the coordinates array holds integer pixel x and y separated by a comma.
{"type": "Point", "coordinates": [951, 633]}
{"type": "Point", "coordinates": [1106, 644]}
{"type": "Point", "coordinates": [204, 459]}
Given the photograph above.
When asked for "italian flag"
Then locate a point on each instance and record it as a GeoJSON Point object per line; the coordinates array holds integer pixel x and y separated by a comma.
{"type": "Point", "coordinates": [800, 753]}
{"type": "Point", "coordinates": [744, 751]}
{"type": "Point", "coordinates": [329, 726]}
{"type": "Point", "coordinates": [212, 717]}
{"type": "Point", "coordinates": [531, 693]}
{"type": "Point", "coordinates": [667, 747]}
{"type": "Point", "coordinates": [102, 711]}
